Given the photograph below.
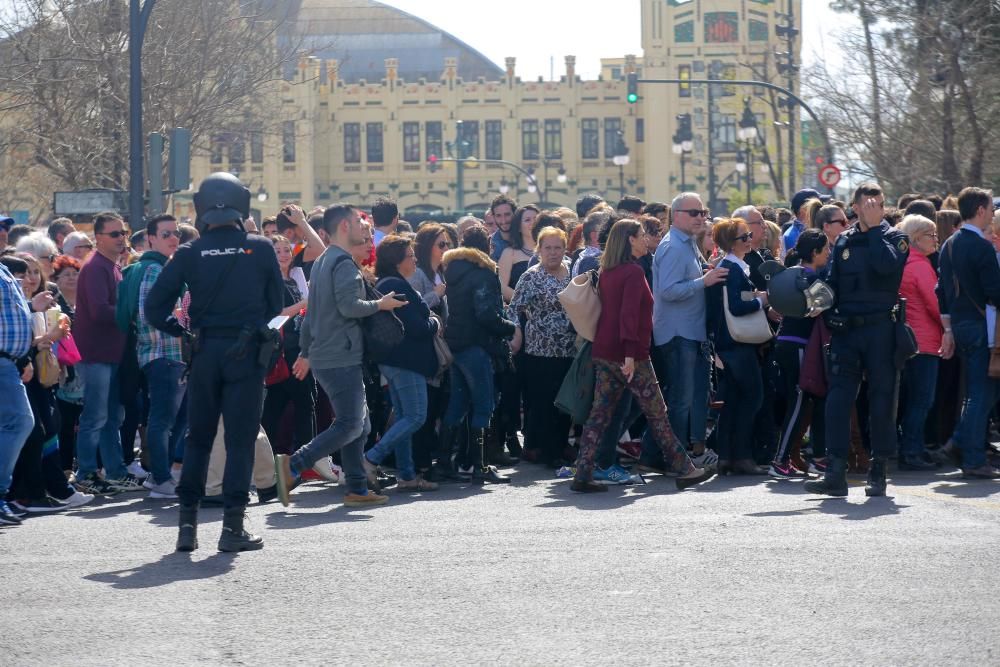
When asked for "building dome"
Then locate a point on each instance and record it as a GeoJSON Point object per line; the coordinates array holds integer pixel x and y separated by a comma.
{"type": "Point", "coordinates": [361, 34]}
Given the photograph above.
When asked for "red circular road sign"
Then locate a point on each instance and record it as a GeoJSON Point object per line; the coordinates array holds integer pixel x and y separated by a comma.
{"type": "Point", "coordinates": [829, 175]}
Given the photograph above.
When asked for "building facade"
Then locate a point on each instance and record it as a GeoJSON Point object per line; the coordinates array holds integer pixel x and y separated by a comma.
{"type": "Point", "coordinates": [348, 137]}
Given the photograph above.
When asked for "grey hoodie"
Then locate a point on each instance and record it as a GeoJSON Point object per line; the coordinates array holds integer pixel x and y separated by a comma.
{"type": "Point", "coordinates": [331, 330]}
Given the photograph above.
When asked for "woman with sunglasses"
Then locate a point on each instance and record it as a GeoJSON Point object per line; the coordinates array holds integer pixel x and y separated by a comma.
{"type": "Point", "coordinates": [743, 383]}
{"type": "Point", "coordinates": [430, 244]}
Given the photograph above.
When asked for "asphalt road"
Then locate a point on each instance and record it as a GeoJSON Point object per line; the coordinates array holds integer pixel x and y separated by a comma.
{"type": "Point", "coordinates": [734, 572]}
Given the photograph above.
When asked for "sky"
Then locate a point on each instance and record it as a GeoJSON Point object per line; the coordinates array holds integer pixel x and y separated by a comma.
{"type": "Point", "coordinates": [541, 32]}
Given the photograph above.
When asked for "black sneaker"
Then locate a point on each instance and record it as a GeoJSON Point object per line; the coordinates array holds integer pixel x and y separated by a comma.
{"type": "Point", "coordinates": [7, 515]}
{"type": "Point", "coordinates": [39, 505]}
{"type": "Point", "coordinates": [94, 485]}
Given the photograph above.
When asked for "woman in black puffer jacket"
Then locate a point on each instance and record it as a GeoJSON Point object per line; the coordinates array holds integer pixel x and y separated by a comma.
{"type": "Point", "coordinates": [477, 333]}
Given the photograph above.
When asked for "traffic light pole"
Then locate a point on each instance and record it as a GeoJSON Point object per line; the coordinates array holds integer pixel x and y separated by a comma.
{"type": "Point", "coordinates": [761, 84]}
{"type": "Point", "coordinates": [138, 20]}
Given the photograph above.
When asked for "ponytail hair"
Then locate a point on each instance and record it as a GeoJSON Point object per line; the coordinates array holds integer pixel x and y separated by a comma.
{"type": "Point", "coordinates": [809, 244]}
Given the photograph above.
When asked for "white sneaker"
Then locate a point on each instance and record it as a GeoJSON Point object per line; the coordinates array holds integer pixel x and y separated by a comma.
{"type": "Point", "coordinates": [164, 491]}
{"type": "Point", "coordinates": [707, 459]}
{"type": "Point", "coordinates": [326, 469]}
{"type": "Point", "coordinates": [148, 483]}
{"type": "Point", "coordinates": [136, 470]}
{"type": "Point", "coordinates": [175, 474]}
{"type": "Point", "coordinates": [78, 499]}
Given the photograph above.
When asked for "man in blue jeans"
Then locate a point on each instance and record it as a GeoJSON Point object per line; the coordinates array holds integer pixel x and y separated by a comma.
{"type": "Point", "coordinates": [332, 348]}
{"type": "Point", "coordinates": [16, 420]}
{"type": "Point", "coordinates": [680, 276]}
{"type": "Point", "coordinates": [101, 345]}
{"type": "Point", "coordinates": [161, 360]}
{"type": "Point", "coordinates": [969, 288]}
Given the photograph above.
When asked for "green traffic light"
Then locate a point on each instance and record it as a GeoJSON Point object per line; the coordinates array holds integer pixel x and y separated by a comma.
{"type": "Point", "coordinates": [632, 98]}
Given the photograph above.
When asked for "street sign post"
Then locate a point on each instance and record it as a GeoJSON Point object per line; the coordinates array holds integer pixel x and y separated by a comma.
{"type": "Point", "coordinates": [829, 175]}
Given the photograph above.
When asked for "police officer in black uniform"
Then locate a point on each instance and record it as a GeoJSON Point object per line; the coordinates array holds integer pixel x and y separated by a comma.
{"type": "Point", "coordinates": [236, 289]}
{"type": "Point", "coordinates": [866, 267]}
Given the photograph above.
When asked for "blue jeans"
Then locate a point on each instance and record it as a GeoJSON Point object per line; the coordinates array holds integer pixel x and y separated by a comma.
{"type": "Point", "coordinates": [471, 388]}
{"type": "Point", "coordinates": [167, 423]}
{"type": "Point", "coordinates": [345, 388]}
{"type": "Point", "coordinates": [408, 391]}
{"type": "Point", "coordinates": [16, 421]}
{"type": "Point", "coordinates": [685, 392]}
{"type": "Point", "coordinates": [920, 380]}
{"type": "Point", "coordinates": [100, 420]}
{"type": "Point", "coordinates": [980, 391]}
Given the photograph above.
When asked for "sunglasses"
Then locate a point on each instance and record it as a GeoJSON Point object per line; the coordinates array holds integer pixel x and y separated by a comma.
{"type": "Point", "coordinates": [167, 234]}
{"type": "Point", "coordinates": [838, 221]}
{"type": "Point", "coordinates": [443, 245]}
{"type": "Point", "coordinates": [115, 234]}
{"type": "Point", "coordinates": [695, 212]}
{"type": "Point", "coordinates": [745, 237]}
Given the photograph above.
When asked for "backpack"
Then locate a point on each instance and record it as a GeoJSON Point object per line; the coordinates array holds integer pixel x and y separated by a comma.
{"type": "Point", "coordinates": [381, 332]}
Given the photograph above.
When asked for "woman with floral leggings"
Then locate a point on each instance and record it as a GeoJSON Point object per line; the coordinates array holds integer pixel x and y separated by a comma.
{"type": "Point", "coordinates": [621, 359]}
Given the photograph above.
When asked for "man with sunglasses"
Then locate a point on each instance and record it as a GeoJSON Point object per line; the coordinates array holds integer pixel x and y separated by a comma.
{"type": "Point", "coordinates": [680, 276]}
{"type": "Point", "coordinates": [866, 269]}
{"type": "Point", "coordinates": [159, 356]}
{"type": "Point", "coordinates": [101, 344]}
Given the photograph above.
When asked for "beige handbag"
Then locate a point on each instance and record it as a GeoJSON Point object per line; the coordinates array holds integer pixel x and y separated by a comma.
{"type": "Point", "coordinates": [582, 302]}
{"type": "Point", "coordinates": [752, 329]}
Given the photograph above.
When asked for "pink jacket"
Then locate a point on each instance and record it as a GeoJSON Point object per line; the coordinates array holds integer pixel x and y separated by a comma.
{"type": "Point", "coordinates": [922, 312]}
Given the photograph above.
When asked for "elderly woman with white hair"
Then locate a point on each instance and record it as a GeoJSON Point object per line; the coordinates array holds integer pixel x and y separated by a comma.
{"type": "Point", "coordinates": [43, 249]}
{"type": "Point", "coordinates": [923, 315]}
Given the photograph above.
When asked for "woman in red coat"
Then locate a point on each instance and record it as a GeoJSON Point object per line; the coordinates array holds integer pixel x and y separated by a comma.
{"type": "Point", "coordinates": [923, 315]}
{"type": "Point", "coordinates": [621, 358]}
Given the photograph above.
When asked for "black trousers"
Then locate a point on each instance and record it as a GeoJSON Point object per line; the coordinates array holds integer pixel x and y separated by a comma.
{"type": "Point", "coordinates": [546, 427]}
{"type": "Point", "coordinates": [862, 352]}
{"type": "Point", "coordinates": [789, 357]}
{"type": "Point", "coordinates": [69, 419]}
{"type": "Point", "coordinates": [220, 385]}
{"type": "Point", "coordinates": [302, 395]}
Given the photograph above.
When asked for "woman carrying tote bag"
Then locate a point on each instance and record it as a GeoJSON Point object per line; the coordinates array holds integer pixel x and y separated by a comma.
{"type": "Point", "coordinates": [736, 316]}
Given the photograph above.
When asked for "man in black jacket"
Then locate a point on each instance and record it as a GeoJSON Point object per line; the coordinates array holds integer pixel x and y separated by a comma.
{"type": "Point", "coordinates": [968, 292]}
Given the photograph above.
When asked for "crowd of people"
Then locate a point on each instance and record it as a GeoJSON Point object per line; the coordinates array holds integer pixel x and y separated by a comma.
{"type": "Point", "coordinates": [408, 358]}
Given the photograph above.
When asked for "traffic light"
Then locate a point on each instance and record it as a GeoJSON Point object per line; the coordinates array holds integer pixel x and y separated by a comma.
{"type": "Point", "coordinates": [432, 163]}
{"type": "Point", "coordinates": [632, 88]}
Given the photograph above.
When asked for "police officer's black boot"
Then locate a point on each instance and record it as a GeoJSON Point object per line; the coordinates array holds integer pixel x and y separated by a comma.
{"type": "Point", "coordinates": [834, 482]}
{"type": "Point", "coordinates": [187, 528]}
{"type": "Point", "coordinates": [876, 477]}
{"type": "Point", "coordinates": [481, 472]}
{"type": "Point", "coordinates": [234, 537]}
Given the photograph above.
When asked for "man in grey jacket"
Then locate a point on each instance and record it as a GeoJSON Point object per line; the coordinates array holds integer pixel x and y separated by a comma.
{"type": "Point", "coordinates": [332, 347]}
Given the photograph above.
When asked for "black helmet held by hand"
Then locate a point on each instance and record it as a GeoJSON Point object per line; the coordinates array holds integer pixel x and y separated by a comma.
{"type": "Point", "coordinates": [221, 199]}
{"type": "Point", "coordinates": [790, 293]}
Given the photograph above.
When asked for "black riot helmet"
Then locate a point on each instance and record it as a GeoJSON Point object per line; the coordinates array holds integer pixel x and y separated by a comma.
{"type": "Point", "coordinates": [790, 293]}
{"type": "Point", "coordinates": [221, 199]}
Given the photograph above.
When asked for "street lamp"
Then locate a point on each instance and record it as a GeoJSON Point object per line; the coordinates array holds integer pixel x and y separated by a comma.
{"type": "Point", "coordinates": [562, 178]}
{"type": "Point", "coordinates": [683, 142]}
{"type": "Point", "coordinates": [504, 187]}
{"type": "Point", "coordinates": [620, 159]}
{"type": "Point", "coordinates": [261, 194]}
{"type": "Point", "coordinates": [747, 132]}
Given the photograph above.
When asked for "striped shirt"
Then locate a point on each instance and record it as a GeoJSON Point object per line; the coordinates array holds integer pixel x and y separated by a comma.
{"type": "Point", "coordinates": [152, 343]}
{"type": "Point", "coordinates": [15, 316]}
